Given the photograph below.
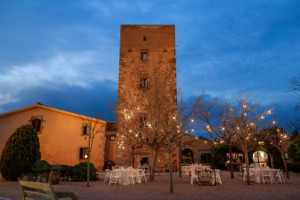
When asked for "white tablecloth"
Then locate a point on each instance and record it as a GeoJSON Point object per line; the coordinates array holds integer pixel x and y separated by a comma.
{"type": "Point", "coordinates": [258, 173]}
{"type": "Point", "coordinates": [125, 176]}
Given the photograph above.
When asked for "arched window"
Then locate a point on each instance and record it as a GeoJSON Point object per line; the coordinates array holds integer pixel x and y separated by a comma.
{"type": "Point", "coordinates": [187, 156]}
{"type": "Point", "coordinates": [36, 123]}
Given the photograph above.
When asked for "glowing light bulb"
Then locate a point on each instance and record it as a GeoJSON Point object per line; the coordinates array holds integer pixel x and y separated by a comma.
{"type": "Point", "coordinates": [192, 120]}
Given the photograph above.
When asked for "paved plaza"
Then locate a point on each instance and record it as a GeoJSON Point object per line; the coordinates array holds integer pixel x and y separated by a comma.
{"type": "Point", "coordinates": [231, 189]}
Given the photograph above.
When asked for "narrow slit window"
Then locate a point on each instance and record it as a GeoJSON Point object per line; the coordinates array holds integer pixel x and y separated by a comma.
{"type": "Point", "coordinates": [84, 130]}
{"type": "Point", "coordinates": [144, 38]}
{"type": "Point", "coordinates": [143, 83]}
{"type": "Point", "coordinates": [144, 56]}
{"type": "Point", "coordinates": [143, 122]}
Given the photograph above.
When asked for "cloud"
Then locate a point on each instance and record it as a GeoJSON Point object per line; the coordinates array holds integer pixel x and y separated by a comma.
{"type": "Point", "coordinates": [76, 69]}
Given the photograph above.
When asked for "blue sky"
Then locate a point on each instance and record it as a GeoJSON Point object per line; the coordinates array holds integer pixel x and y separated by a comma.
{"type": "Point", "coordinates": [65, 54]}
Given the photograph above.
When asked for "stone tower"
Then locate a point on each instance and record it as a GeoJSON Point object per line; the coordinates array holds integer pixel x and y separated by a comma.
{"type": "Point", "coordinates": [145, 50]}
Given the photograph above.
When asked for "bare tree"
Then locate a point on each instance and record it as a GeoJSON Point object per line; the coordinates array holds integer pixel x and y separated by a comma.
{"type": "Point", "coordinates": [247, 121]}
{"type": "Point", "coordinates": [213, 118]}
{"type": "Point", "coordinates": [281, 140]}
{"type": "Point", "coordinates": [177, 128]}
{"type": "Point", "coordinates": [130, 132]}
{"type": "Point", "coordinates": [186, 116]}
{"type": "Point", "coordinates": [93, 127]}
{"type": "Point", "coordinates": [238, 123]}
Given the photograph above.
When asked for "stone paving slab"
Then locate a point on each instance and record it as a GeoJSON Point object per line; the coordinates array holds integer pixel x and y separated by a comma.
{"type": "Point", "coordinates": [231, 189]}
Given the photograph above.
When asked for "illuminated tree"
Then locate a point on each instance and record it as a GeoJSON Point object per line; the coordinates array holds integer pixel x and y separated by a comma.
{"type": "Point", "coordinates": [281, 140]}
{"type": "Point", "coordinates": [94, 127]}
{"type": "Point", "coordinates": [239, 123]}
{"type": "Point", "coordinates": [213, 118]}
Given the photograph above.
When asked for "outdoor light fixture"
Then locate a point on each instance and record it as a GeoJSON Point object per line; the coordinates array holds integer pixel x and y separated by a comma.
{"type": "Point", "coordinates": [85, 156]}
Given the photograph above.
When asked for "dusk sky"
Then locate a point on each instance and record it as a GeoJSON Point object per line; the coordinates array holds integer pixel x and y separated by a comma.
{"type": "Point", "coordinates": [65, 54]}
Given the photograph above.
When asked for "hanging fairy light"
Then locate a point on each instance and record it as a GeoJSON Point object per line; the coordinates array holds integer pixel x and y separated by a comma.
{"type": "Point", "coordinates": [192, 120]}
{"type": "Point", "coordinates": [262, 117]}
{"type": "Point", "coordinates": [192, 130]}
{"type": "Point", "coordinates": [274, 122]}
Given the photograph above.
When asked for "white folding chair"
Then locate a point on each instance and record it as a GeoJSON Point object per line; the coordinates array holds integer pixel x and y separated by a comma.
{"type": "Point", "coordinates": [251, 175]}
{"type": "Point", "coordinates": [194, 176]}
{"type": "Point", "coordinates": [218, 177]}
{"type": "Point", "coordinates": [107, 175]}
{"type": "Point", "coordinates": [279, 176]}
{"type": "Point", "coordinates": [133, 176]}
{"type": "Point", "coordinates": [266, 175]}
{"type": "Point", "coordinates": [143, 175]}
{"type": "Point", "coordinates": [115, 176]}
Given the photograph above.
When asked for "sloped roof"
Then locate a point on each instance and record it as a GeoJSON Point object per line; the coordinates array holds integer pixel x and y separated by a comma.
{"type": "Point", "coordinates": [40, 105]}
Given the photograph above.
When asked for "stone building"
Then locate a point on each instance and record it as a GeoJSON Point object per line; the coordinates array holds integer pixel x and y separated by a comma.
{"type": "Point", "coordinates": [63, 135]}
{"type": "Point", "coordinates": [147, 57]}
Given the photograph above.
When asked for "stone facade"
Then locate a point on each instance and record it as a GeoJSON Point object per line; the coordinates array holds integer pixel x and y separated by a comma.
{"type": "Point", "coordinates": [147, 53]}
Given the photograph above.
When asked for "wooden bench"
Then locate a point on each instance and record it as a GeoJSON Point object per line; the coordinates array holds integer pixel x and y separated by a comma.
{"type": "Point", "coordinates": [38, 191]}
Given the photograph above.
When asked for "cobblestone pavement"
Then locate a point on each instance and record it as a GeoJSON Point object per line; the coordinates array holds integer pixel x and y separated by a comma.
{"type": "Point", "coordinates": [231, 189]}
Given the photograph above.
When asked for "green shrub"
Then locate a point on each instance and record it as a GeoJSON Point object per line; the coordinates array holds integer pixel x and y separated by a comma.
{"type": "Point", "coordinates": [294, 167]}
{"type": "Point", "coordinates": [41, 166]}
{"type": "Point", "coordinates": [294, 150]}
{"type": "Point", "coordinates": [219, 156]}
{"type": "Point", "coordinates": [66, 171]}
{"type": "Point", "coordinates": [79, 172]}
{"type": "Point", "coordinates": [21, 150]}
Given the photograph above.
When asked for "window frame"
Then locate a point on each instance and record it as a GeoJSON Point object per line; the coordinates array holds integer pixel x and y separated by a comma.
{"type": "Point", "coordinates": [82, 152]}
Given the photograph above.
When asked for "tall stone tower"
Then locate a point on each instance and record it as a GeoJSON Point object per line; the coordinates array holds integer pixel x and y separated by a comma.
{"type": "Point", "coordinates": [147, 54]}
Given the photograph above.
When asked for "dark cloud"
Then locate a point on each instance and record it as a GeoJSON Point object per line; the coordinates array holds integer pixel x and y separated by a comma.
{"type": "Point", "coordinates": [92, 101]}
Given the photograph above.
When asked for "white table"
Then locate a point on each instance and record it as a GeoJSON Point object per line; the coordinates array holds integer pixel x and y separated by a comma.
{"type": "Point", "coordinates": [125, 175]}
{"type": "Point", "coordinates": [258, 173]}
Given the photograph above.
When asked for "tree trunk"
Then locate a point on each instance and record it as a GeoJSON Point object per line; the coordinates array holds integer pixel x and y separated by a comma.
{"type": "Point", "coordinates": [132, 152]}
{"type": "Point", "coordinates": [179, 170]}
{"type": "Point", "coordinates": [272, 160]}
{"type": "Point", "coordinates": [170, 172]}
{"type": "Point", "coordinates": [285, 166]}
{"type": "Point", "coordinates": [153, 165]}
{"type": "Point", "coordinates": [247, 167]}
{"type": "Point", "coordinates": [231, 160]}
{"type": "Point", "coordinates": [88, 170]}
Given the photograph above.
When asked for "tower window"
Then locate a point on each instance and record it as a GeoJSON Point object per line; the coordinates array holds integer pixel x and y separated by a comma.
{"type": "Point", "coordinates": [84, 130]}
{"type": "Point", "coordinates": [112, 138]}
{"type": "Point", "coordinates": [143, 83]}
{"type": "Point", "coordinates": [144, 38]}
{"type": "Point", "coordinates": [84, 153]}
{"type": "Point", "coordinates": [143, 122]}
{"type": "Point", "coordinates": [36, 123]}
{"type": "Point", "coordinates": [144, 56]}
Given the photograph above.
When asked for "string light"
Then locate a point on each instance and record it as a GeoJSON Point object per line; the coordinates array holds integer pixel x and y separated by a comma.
{"type": "Point", "coordinates": [262, 117]}
{"type": "Point", "coordinates": [269, 112]}
{"type": "Point", "coordinates": [192, 120]}
{"type": "Point", "coordinates": [223, 129]}
{"type": "Point", "coordinates": [192, 130]}
{"type": "Point", "coordinates": [274, 122]}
